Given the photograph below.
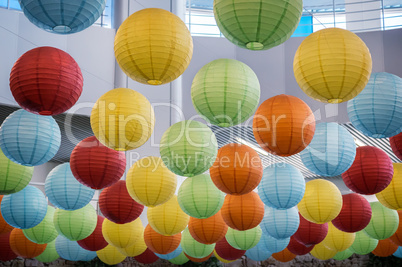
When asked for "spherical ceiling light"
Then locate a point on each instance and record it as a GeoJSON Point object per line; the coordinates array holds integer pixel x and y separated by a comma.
{"type": "Point", "coordinates": [244, 240]}
{"type": "Point", "coordinates": [391, 196]}
{"type": "Point", "coordinates": [45, 232]}
{"type": "Point", "coordinates": [280, 224]}
{"type": "Point", "coordinates": [50, 254]}
{"type": "Point", "coordinates": [363, 244]}
{"type": "Point", "coordinates": [208, 231]}
{"type": "Point", "coordinates": [332, 65]}
{"type": "Point", "coordinates": [384, 222]}
{"type": "Point", "coordinates": [94, 241]}
{"type": "Point", "coordinates": [122, 235]}
{"type": "Point", "coordinates": [21, 246]}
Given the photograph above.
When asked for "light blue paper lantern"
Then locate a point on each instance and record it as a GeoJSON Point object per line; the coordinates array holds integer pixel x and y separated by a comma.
{"type": "Point", "coordinates": [171, 255]}
{"type": "Point", "coordinates": [71, 251]}
{"type": "Point", "coordinates": [280, 224]}
{"type": "Point", "coordinates": [24, 209]}
{"type": "Point", "coordinates": [260, 251]}
{"type": "Point", "coordinates": [331, 152]}
{"type": "Point", "coordinates": [282, 186]}
{"type": "Point", "coordinates": [29, 139]}
{"type": "Point", "coordinates": [64, 191]}
{"type": "Point", "coordinates": [274, 245]}
{"type": "Point", "coordinates": [398, 253]}
{"type": "Point", "coordinates": [63, 16]}
{"type": "Point", "coordinates": [377, 110]}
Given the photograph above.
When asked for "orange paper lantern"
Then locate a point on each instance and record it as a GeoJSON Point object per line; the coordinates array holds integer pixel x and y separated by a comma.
{"type": "Point", "coordinates": [284, 125]}
{"type": "Point", "coordinates": [284, 255]}
{"type": "Point", "coordinates": [161, 244]}
{"type": "Point", "coordinates": [385, 248]}
{"type": "Point", "coordinates": [4, 227]}
{"type": "Point", "coordinates": [21, 246]}
{"type": "Point", "coordinates": [208, 231]}
{"type": "Point", "coordinates": [243, 212]}
{"type": "Point", "coordinates": [197, 259]}
{"type": "Point", "coordinates": [237, 169]}
{"type": "Point", "coordinates": [397, 236]}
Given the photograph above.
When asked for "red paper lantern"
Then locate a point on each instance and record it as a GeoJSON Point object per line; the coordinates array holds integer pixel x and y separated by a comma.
{"type": "Point", "coordinates": [397, 236]}
{"type": "Point", "coordinates": [95, 241]}
{"type": "Point", "coordinates": [355, 214]}
{"type": "Point", "coordinates": [46, 81]}
{"type": "Point", "coordinates": [147, 257]}
{"type": "Point", "coordinates": [21, 246]}
{"type": "Point", "coordinates": [370, 173]}
{"type": "Point", "coordinates": [385, 248]}
{"type": "Point", "coordinates": [208, 231]}
{"type": "Point", "coordinates": [284, 256]}
{"type": "Point", "coordinates": [396, 145]}
{"type": "Point", "coordinates": [161, 244]}
{"type": "Point", "coordinates": [117, 205]}
{"type": "Point", "coordinates": [96, 165]}
{"type": "Point", "coordinates": [298, 248]}
{"type": "Point", "coordinates": [5, 228]}
{"type": "Point", "coordinates": [226, 251]}
{"type": "Point", "coordinates": [310, 233]}
{"type": "Point", "coordinates": [199, 260]}
{"type": "Point", "coordinates": [6, 253]}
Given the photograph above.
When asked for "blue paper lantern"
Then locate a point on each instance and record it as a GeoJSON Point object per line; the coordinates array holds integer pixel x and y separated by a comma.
{"type": "Point", "coordinates": [331, 152]}
{"type": "Point", "coordinates": [29, 139]}
{"type": "Point", "coordinates": [64, 191]}
{"type": "Point", "coordinates": [282, 186]}
{"type": "Point", "coordinates": [71, 251]}
{"type": "Point", "coordinates": [260, 251]}
{"type": "Point", "coordinates": [377, 110]}
{"type": "Point", "coordinates": [63, 16]}
{"type": "Point", "coordinates": [274, 245]}
{"type": "Point", "coordinates": [398, 253]}
{"type": "Point", "coordinates": [24, 209]}
{"type": "Point", "coordinates": [280, 224]}
{"type": "Point", "coordinates": [171, 255]}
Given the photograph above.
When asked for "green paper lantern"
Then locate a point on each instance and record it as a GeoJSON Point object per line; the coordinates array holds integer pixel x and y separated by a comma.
{"type": "Point", "coordinates": [194, 248]}
{"type": "Point", "coordinates": [226, 92]}
{"type": "Point", "coordinates": [363, 243]}
{"type": "Point", "coordinates": [199, 197]}
{"type": "Point", "coordinates": [343, 255]}
{"type": "Point", "coordinates": [244, 240]}
{"type": "Point", "coordinates": [50, 254]}
{"type": "Point", "coordinates": [76, 224]}
{"type": "Point", "coordinates": [258, 24]}
{"type": "Point", "coordinates": [188, 148]}
{"type": "Point", "coordinates": [45, 232]}
{"type": "Point", "coordinates": [13, 177]}
{"type": "Point", "coordinates": [384, 222]}
{"type": "Point", "coordinates": [180, 260]}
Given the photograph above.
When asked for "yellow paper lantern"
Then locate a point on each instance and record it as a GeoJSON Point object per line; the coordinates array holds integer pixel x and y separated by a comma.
{"type": "Point", "coordinates": [110, 255]}
{"type": "Point", "coordinates": [391, 196]}
{"type": "Point", "coordinates": [168, 218]}
{"type": "Point", "coordinates": [321, 252]}
{"type": "Point", "coordinates": [137, 249]}
{"type": "Point", "coordinates": [150, 182]}
{"type": "Point", "coordinates": [153, 46]}
{"type": "Point", "coordinates": [322, 201]}
{"type": "Point", "coordinates": [338, 240]}
{"type": "Point", "coordinates": [122, 119]}
{"type": "Point", "coordinates": [122, 235]}
{"type": "Point", "coordinates": [332, 65]}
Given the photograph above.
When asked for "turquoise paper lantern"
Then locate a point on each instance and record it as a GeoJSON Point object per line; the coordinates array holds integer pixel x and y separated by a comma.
{"type": "Point", "coordinates": [260, 251]}
{"type": "Point", "coordinates": [171, 255]}
{"type": "Point", "coordinates": [29, 139]}
{"type": "Point", "coordinates": [331, 152]}
{"type": "Point", "coordinates": [24, 209]}
{"type": "Point", "coordinates": [377, 110]}
{"type": "Point", "coordinates": [280, 224]}
{"type": "Point", "coordinates": [282, 186]}
{"type": "Point", "coordinates": [274, 245]}
{"type": "Point", "coordinates": [63, 16]}
{"type": "Point", "coordinates": [64, 191]}
{"type": "Point", "coordinates": [398, 253]}
{"type": "Point", "coordinates": [71, 251]}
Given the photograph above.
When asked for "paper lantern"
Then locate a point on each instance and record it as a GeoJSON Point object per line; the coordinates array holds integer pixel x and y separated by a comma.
{"type": "Point", "coordinates": [198, 260]}
{"type": "Point", "coordinates": [46, 80]}
{"type": "Point", "coordinates": [398, 253]}
{"type": "Point", "coordinates": [24, 209]}
{"type": "Point", "coordinates": [338, 240]}
{"type": "Point", "coordinates": [96, 165]}
{"type": "Point", "coordinates": [384, 222]}
{"type": "Point", "coordinates": [13, 177]}
{"type": "Point", "coordinates": [45, 232]}
{"type": "Point", "coordinates": [122, 119]}
{"type": "Point", "coordinates": [280, 224]}
{"type": "Point", "coordinates": [168, 218]}
{"type": "Point", "coordinates": [153, 46]}
{"type": "Point", "coordinates": [6, 253]}
{"type": "Point", "coordinates": [50, 254]}
{"type": "Point", "coordinates": [4, 226]}
{"type": "Point", "coordinates": [64, 191]}
{"type": "Point", "coordinates": [385, 248]}
{"type": "Point", "coordinates": [110, 255]}
{"type": "Point", "coordinates": [244, 240]}
{"type": "Point", "coordinates": [396, 145]}
{"type": "Point", "coordinates": [175, 253]}
{"type": "Point", "coordinates": [226, 251]}
{"type": "Point", "coordinates": [222, 259]}
{"type": "Point", "coordinates": [180, 260]}
{"type": "Point", "coordinates": [370, 173]}
{"type": "Point", "coordinates": [391, 197]}
{"type": "Point", "coordinates": [298, 248]}
{"type": "Point", "coordinates": [259, 252]}
{"type": "Point", "coordinates": [376, 110]}
{"type": "Point", "coordinates": [322, 201]}
{"type": "Point", "coordinates": [29, 139]}
{"type": "Point", "coordinates": [208, 231]}
{"type": "Point", "coordinates": [283, 125]}
{"type": "Point", "coordinates": [242, 212]}
{"type": "Point", "coordinates": [122, 235]}
{"type": "Point", "coordinates": [194, 248]}
{"type": "Point", "coordinates": [77, 224]}
{"type": "Point", "coordinates": [321, 252]}
{"type": "Point", "coordinates": [284, 255]}
{"type": "Point", "coordinates": [332, 65]}
{"type": "Point", "coordinates": [137, 249]}
{"type": "Point", "coordinates": [257, 25]}
{"type": "Point", "coordinates": [94, 241]}
{"type": "Point", "coordinates": [225, 92]}
{"type": "Point", "coordinates": [159, 243]}
{"type": "Point", "coordinates": [343, 255]}
{"type": "Point", "coordinates": [147, 257]}
{"type": "Point", "coordinates": [355, 214]}
{"type": "Point", "coordinates": [274, 245]}
{"type": "Point", "coordinates": [396, 238]}
{"type": "Point", "coordinates": [331, 152]}
{"type": "Point", "coordinates": [21, 246]}
{"type": "Point", "coordinates": [310, 233]}
{"type": "Point", "coordinates": [237, 169]}
{"type": "Point", "coordinates": [71, 251]}
{"type": "Point", "coordinates": [188, 148]}
{"type": "Point", "coordinates": [199, 197]}
{"type": "Point", "coordinates": [363, 244]}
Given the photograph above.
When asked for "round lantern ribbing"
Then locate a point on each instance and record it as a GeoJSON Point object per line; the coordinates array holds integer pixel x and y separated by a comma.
{"type": "Point", "coordinates": [45, 232]}
{"type": "Point", "coordinates": [244, 240]}
{"type": "Point", "coordinates": [147, 257]}
{"type": "Point", "coordinates": [208, 231]}
{"type": "Point", "coordinates": [298, 248]}
{"type": "Point", "coordinates": [194, 248]}
{"type": "Point", "coordinates": [226, 251]}
{"type": "Point", "coordinates": [338, 240]}
{"type": "Point", "coordinates": [94, 241]}
{"type": "Point", "coordinates": [50, 254]}
{"type": "Point", "coordinates": [384, 222]}
{"type": "Point", "coordinates": [5, 228]}
{"type": "Point", "coordinates": [363, 244]}
{"type": "Point", "coordinates": [391, 196]}
{"type": "Point", "coordinates": [159, 243]}
{"type": "Point", "coordinates": [122, 235]}
{"type": "Point", "coordinates": [343, 255]}
{"type": "Point", "coordinates": [21, 245]}
{"type": "Point", "coordinates": [385, 248]}
{"type": "Point", "coordinates": [71, 251]}
{"type": "Point", "coordinates": [280, 224]}
{"type": "Point", "coordinates": [284, 255]}
{"type": "Point", "coordinates": [110, 255]}
{"type": "Point", "coordinates": [310, 233]}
